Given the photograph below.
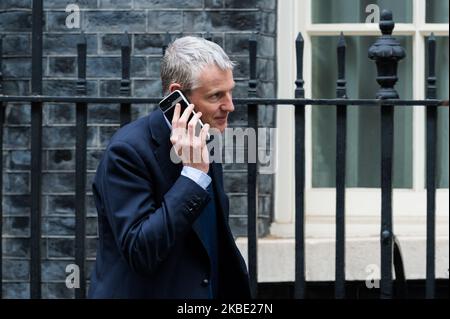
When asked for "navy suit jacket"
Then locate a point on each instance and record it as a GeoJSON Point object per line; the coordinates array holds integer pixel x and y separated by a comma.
{"type": "Point", "coordinates": [149, 246]}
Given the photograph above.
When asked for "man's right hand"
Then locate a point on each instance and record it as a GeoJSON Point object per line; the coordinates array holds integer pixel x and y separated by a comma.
{"type": "Point", "coordinates": [192, 149]}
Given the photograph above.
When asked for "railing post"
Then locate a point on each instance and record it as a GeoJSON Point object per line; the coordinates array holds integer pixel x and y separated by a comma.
{"type": "Point", "coordinates": [401, 288]}
{"type": "Point", "coordinates": [208, 36]}
{"type": "Point", "coordinates": [80, 169]}
{"type": "Point", "coordinates": [341, 136]}
{"type": "Point", "coordinates": [125, 108]}
{"type": "Point", "coordinates": [36, 151]}
{"type": "Point", "coordinates": [253, 194]}
{"type": "Point", "coordinates": [387, 52]}
{"type": "Point", "coordinates": [166, 43]}
{"type": "Point", "coordinates": [300, 284]}
{"type": "Point", "coordinates": [1, 64]}
{"type": "Point", "coordinates": [2, 119]}
{"type": "Point", "coordinates": [164, 48]}
{"type": "Point", "coordinates": [431, 169]}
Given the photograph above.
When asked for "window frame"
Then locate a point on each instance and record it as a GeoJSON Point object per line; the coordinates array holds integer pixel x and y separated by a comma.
{"type": "Point", "coordinates": [295, 16]}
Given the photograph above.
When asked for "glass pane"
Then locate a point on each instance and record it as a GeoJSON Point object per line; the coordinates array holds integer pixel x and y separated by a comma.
{"type": "Point", "coordinates": [359, 11]}
{"type": "Point", "coordinates": [437, 11]}
{"type": "Point", "coordinates": [364, 133]}
{"type": "Point", "coordinates": [443, 114]}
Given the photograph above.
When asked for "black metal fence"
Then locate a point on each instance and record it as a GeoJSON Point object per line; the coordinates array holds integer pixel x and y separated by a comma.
{"type": "Point", "coordinates": [386, 52]}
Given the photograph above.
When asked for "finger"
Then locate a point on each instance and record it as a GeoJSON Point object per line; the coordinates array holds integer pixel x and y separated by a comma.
{"type": "Point", "coordinates": [204, 134]}
{"type": "Point", "coordinates": [192, 124]}
{"type": "Point", "coordinates": [176, 135]}
{"type": "Point", "coordinates": [205, 155]}
{"type": "Point", "coordinates": [187, 112]}
{"type": "Point", "coordinates": [176, 115]}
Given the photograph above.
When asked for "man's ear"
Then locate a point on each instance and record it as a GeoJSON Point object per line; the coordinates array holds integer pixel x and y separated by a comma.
{"type": "Point", "coordinates": [174, 86]}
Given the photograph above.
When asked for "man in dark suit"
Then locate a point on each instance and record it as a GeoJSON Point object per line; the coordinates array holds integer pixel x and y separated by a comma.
{"type": "Point", "coordinates": [163, 226]}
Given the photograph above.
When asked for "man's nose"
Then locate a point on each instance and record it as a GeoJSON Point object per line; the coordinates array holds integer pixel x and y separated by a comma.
{"type": "Point", "coordinates": [228, 104]}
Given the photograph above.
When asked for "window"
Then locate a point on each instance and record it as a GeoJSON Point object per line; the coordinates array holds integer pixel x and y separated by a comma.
{"type": "Point", "coordinates": [443, 114]}
{"type": "Point", "coordinates": [363, 123]}
{"type": "Point", "coordinates": [437, 11]}
{"type": "Point", "coordinates": [357, 11]}
{"type": "Point", "coordinates": [321, 22]}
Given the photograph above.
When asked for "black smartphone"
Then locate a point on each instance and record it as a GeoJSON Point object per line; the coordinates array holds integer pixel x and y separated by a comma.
{"type": "Point", "coordinates": [167, 106]}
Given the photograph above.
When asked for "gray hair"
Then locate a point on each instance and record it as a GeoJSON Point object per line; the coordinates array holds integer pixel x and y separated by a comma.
{"type": "Point", "coordinates": [186, 58]}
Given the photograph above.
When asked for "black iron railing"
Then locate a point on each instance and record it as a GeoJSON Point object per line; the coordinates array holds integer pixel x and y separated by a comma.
{"type": "Point", "coordinates": [80, 166]}
{"type": "Point", "coordinates": [341, 138]}
{"type": "Point", "coordinates": [36, 151]}
{"type": "Point", "coordinates": [386, 52]}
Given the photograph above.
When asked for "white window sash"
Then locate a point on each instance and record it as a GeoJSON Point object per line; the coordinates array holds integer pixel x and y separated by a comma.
{"type": "Point", "coordinates": [295, 16]}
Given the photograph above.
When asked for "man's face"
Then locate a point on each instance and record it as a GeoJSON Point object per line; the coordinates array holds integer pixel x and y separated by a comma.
{"type": "Point", "coordinates": [213, 97]}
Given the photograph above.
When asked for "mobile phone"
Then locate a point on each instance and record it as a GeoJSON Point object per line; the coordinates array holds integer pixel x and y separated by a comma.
{"type": "Point", "coordinates": [167, 106]}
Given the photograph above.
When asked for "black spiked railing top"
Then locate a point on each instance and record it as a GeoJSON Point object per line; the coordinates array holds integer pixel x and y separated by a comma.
{"type": "Point", "coordinates": [387, 52]}
{"type": "Point", "coordinates": [387, 47]}
{"type": "Point", "coordinates": [342, 45]}
{"type": "Point", "coordinates": [299, 48]}
{"type": "Point", "coordinates": [125, 42]}
{"type": "Point", "coordinates": [1, 66]}
{"type": "Point", "coordinates": [208, 36]}
{"type": "Point", "coordinates": [387, 23]}
{"type": "Point", "coordinates": [253, 82]}
{"type": "Point", "coordinates": [341, 83]}
{"type": "Point", "coordinates": [432, 55]}
{"type": "Point", "coordinates": [165, 43]}
{"type": "Point", "coordinates": [126, 59]}
{"type": "Point", "coordinates": [299, 82]}
{"type": "Point", "coordinates": [431, 80]}
{"type": "Point", "coordinates": [81, 51]}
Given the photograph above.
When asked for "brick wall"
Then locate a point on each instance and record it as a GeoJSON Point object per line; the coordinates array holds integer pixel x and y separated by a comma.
{"type": "Point", "coordinates": [229, 21]}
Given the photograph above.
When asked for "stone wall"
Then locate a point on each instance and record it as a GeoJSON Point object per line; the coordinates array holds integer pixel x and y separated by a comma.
{"type": "Point", "coordinates": [230, 22]}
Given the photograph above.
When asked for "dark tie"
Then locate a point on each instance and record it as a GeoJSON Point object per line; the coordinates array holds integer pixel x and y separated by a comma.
{"type": "Point", "coordinates": [207, 224]}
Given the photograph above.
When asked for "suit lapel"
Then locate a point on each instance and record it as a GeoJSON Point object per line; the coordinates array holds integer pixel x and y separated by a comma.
{"type": "Point", "coordinates": [219, 206]}
{"type": "Point", "coordinates": [217, 183]}
{"type": "Point", "coordinates": [223, 225]}
{"type": "Point", "coordinates": [160, 133]}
